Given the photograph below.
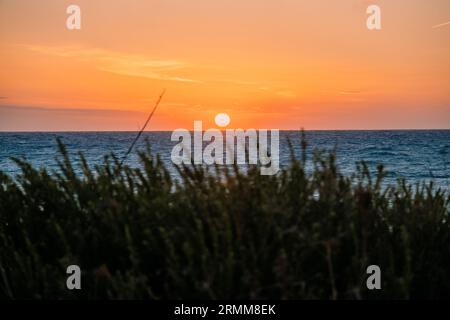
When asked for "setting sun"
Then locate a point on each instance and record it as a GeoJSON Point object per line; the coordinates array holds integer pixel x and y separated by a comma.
{"type": "Point", "coordinates": [222, 120]}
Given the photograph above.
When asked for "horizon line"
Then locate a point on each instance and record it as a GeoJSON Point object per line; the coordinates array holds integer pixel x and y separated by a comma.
{"type": "Point", "coordinates": [223, 129]}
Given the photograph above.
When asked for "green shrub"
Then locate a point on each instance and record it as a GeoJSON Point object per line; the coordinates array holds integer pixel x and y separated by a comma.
{"type": "Point", "coordinates": [219, 233]}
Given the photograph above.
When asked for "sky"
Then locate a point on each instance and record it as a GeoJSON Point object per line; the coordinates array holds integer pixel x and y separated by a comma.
{"type": "Point", "coordinates": [275, 64]}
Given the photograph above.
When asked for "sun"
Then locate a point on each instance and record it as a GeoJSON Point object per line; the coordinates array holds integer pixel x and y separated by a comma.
{"type": "Point", "coordinates": [222, 119]}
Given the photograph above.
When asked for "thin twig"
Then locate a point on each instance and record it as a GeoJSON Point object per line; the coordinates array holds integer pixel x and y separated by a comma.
{"type": "Point", "coordinates": [143, 128]}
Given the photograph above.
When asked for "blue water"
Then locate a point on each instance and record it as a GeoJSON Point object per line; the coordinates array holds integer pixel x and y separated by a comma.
{"type": "Point", "coordinates": [417, 156]}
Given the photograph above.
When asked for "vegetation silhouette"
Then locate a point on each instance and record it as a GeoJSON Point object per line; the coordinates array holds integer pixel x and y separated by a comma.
{"type": "Point", "coordinates": [219, 232]}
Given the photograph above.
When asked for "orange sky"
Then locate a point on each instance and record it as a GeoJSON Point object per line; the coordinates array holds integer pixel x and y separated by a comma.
{"type": "Point", "coordinates": [281, 64]}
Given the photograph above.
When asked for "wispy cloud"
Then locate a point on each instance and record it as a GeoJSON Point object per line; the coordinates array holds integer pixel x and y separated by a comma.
{"type": "Point", "coordinates": [121, 63]}
{"type": "Point", "coordinates": [347, 92]}
{"type": "Point", "coordinates": [286, 94]}
{"type": "Point", "coordinates": [441, 25]}
{"type": "Point", "coordinates": [35, 118]}
{"type": "Point", "coordinates": [145, 66]}
{"type": "Point", "coordinates": [55, 110]}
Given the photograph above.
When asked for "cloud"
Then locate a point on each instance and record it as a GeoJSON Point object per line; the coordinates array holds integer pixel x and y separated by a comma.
{"type": "Point", "coordinates": [120, 63]}
{"type": "Point", "coordinates": [348, 92]}
{"type": "Point", "coordinates": [441, 25]}
{"type": "Point", "coordinates": [286, 94]}
{"type": "Point", "coordinates": [33, 118]}
{"type": "Point", "coordinates": [81, 111]}
{"type": "Point", "coordinates": [144, 66]}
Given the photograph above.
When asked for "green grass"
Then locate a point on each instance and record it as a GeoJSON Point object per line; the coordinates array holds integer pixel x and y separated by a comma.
{"type": "Point", "coordinates": [137, 233]}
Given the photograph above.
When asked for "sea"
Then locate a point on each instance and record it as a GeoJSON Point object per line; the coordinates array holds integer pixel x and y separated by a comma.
{"type": "Point", "coordinates": [414, 155]}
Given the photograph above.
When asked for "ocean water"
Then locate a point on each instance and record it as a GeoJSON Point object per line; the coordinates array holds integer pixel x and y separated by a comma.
{"type": "Point", "coordinates": [417, 155]}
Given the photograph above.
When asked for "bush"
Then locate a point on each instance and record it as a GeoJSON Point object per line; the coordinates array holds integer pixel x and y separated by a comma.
{"type": "Point", "coordinates": [219, 233]}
